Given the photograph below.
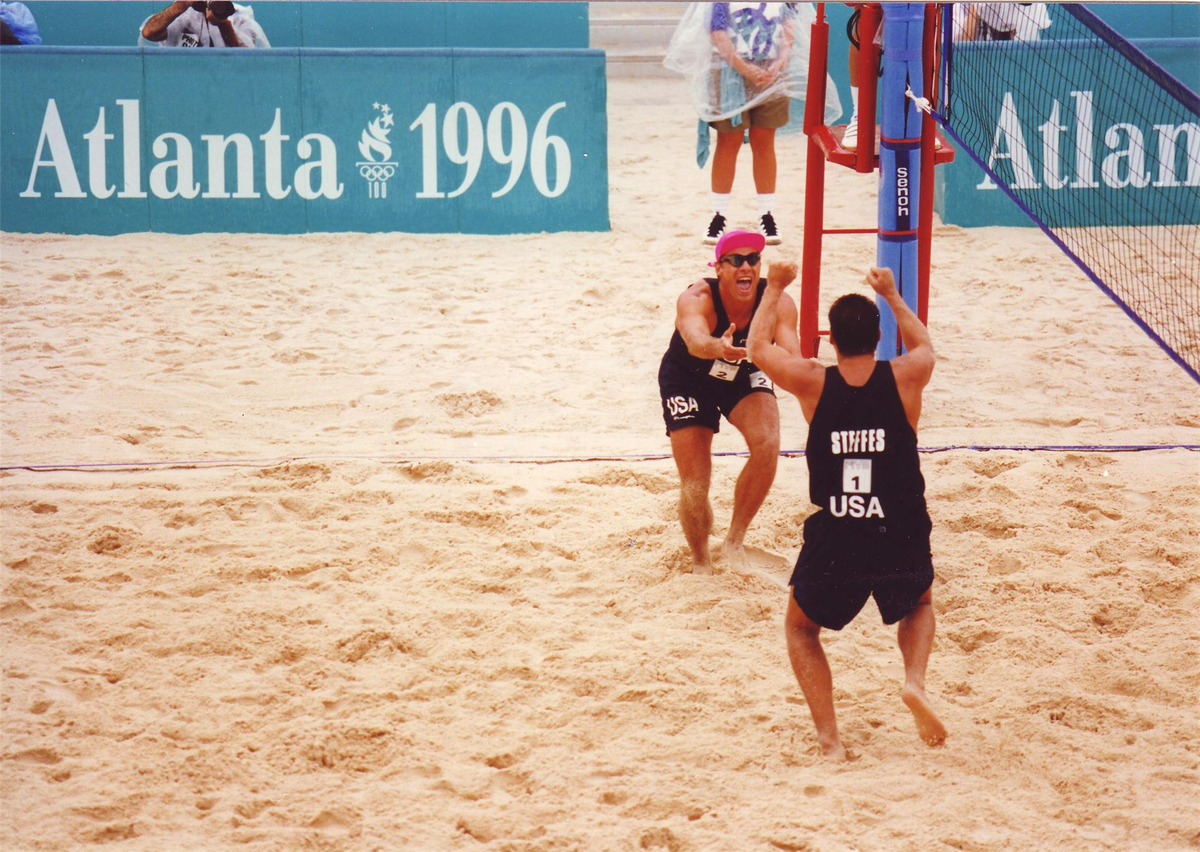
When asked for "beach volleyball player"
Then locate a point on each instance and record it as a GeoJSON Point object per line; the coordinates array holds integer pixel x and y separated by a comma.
{"type": "Point", "coordinates": [705, 375]}
{"type": "Point", "coordinates": [870, 534]}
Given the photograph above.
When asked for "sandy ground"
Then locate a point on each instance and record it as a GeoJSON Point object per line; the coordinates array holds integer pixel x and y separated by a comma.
{"type": "Point", "coordinates": [368, 542]}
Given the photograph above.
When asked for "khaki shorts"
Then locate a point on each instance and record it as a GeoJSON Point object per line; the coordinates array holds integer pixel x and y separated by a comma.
{"type": "Point", "coordinates": [773, 114]}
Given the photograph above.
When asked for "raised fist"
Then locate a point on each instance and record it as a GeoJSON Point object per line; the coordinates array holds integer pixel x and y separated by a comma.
{"type": "Point", "coordinates": [781, 273]}
{"type": "Point", "coordinates": [881, 280]}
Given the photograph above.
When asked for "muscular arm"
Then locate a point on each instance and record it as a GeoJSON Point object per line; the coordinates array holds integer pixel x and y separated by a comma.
{"type": "Point", "coordinates": [914, 368]}
{"type": "Point", "coordinates": [692, 317]}
{"type": "Point", "coordinates": [786, 324]}
{"type": "Point", "coordinates": [774, 346]}
{"type": "Point", "coordinates": [155, 28]}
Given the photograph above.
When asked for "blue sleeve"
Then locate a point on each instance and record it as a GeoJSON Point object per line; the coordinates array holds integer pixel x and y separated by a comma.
{"type": "Point", "coordinates": [720, 17]}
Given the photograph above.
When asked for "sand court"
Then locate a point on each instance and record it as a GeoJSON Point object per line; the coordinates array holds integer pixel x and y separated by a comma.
{"type": "Point", "coordinates": [368, 542]}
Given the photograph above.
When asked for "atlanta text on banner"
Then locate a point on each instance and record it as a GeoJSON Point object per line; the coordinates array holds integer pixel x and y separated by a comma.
{"type": "Point", "coordinates": [1076, 139]}
{"type": "Point", "coordinates": [478, 141]}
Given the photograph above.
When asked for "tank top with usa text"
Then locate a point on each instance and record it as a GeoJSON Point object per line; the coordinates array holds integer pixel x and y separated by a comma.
{"type": "Point", "coordinates": [862, 453]}
{"type": "Point", "coordinates": [677, 351]}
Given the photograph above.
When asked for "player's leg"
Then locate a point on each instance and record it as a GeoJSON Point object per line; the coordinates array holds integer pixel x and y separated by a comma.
{"type": "Point", "coordinates": [756, 416]}
{"type": "Point", "coordinates": [692, 449]}
{"type": "Point", "coordinates": [915, 636]}
{"type": "Point", "coordinates": [811, 667]}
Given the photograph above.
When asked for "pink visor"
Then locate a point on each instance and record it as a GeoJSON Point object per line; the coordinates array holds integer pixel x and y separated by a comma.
{"type": "Point", "coordinates": [738, 239]}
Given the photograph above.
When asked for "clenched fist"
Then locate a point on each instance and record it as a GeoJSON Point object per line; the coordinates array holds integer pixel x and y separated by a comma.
{"type": "Point", "coordinates": [881, 280]}
{"type": "Point", "coordinates": [781, 273]}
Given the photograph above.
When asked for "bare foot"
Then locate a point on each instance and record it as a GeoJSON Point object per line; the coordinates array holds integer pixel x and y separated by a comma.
{"type": "Point", "coordinates": [834, 750]}
{"type": "Point", "coordinates": [929, 727]}
{"type": "Point", "coordinates": [701, 567]}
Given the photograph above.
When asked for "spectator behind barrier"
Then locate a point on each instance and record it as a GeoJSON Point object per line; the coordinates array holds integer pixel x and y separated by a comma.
{"type": "Point", "coordinates": [1000, 21]}
{"type": "Point", "coordinates": [17, 25]}
{"type": "Point", "coordinates": [211, 24]}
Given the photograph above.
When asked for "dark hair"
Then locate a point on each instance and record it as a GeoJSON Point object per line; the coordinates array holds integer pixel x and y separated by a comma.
{"type": "Point", "coordinates": [854, 325]}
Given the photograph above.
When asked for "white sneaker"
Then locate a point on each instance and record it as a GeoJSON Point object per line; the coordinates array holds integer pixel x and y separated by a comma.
{"type": "Point", "coordinates": [766, 227]}
{"type": "Point", "coordinates": [850, 137]}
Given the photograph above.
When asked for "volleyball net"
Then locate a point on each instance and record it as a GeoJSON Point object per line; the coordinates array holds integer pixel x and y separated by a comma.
{"type": "Point", "coordinates": [1100, 146]}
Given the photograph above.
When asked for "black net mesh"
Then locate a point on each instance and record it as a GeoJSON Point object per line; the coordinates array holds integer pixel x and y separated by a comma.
{"type": "Point", "coordinates": [1101, 147]}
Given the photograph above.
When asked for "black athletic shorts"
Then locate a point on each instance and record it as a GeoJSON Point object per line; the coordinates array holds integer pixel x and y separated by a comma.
{"type": "Point", "coordinates": [699, 399]}
{"type": "Point", "coordinates": [842, 564]}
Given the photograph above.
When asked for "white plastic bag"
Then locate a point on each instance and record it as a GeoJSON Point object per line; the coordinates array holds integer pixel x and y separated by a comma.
{"type": "Point", "coordinates": [771, 42]}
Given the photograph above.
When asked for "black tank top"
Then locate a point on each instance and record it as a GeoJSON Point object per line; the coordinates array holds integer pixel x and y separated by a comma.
{"type": "Point", "coordinates": [677, 350]}
{"type": "Point", "coordinates": [862, 458]}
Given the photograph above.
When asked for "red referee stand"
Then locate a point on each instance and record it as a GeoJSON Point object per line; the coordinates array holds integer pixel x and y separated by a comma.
{"type": "Point", "coordinates": [825, 145]}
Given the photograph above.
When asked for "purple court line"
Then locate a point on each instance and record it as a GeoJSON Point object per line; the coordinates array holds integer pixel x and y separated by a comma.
{"type": "Point", "coordinates": [631, 457]}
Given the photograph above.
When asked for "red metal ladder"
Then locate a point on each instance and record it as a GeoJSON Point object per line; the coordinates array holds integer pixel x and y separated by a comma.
{"type": "Point", "coordinates": [825, 145]}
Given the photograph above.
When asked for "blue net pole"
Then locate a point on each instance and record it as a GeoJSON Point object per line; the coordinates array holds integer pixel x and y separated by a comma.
{"type": "Point", "coordinates": [899, 160]}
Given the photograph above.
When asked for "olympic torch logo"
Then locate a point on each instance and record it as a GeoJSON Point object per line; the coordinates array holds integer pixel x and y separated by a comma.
{"type": "Point", "coordinates": [376, 166]}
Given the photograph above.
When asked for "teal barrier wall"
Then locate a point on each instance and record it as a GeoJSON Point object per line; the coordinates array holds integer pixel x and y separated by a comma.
{"type": "Point", "coordinates": [114, 140]}
{"type": "Point", "coordinates": [104, 23]}
{"type": "Point", "coordinates": [965, 196]}
{"type": "Point", "coordinates": [1148, 20]}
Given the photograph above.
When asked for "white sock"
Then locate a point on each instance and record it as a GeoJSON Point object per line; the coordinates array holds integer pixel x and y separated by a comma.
{"type": "Point", "coordinates": [720, 202]}
{"type": "Point", "coordinates": [766, 202]}
{"type": "Point", "coordinates": [854, 104]}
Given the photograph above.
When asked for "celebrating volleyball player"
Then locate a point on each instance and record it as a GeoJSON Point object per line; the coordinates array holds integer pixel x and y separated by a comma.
{"type": "Point", "coordinates": [870, 533]}
{"type": "Point", "coordinates": [705, 374]}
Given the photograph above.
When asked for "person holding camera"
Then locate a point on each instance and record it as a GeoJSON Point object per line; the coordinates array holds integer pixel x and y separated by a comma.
{"type": "Point", "coordinates": [212, 24]}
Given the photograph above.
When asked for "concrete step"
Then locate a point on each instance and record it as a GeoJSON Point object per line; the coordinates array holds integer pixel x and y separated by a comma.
{"type": "Point", "coordinates": [634, 36]}
{"type": "Point", "coordinates": [633, 11]}
{"type": "Point", "coordinates": [643, 33]}
{"type": "Point", "coordinates": [634, 64]}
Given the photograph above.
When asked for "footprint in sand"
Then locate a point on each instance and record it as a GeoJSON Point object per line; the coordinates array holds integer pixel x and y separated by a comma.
{"type": "Point", "coordinates": [42, 756]}
{"type": "Point", "coordinates": [755, 562]}
{"type": "Point", "coordinates": [469, 404]}
{"type": "Point", "coordinates": [15, 608]}
{"type": "Point", "coordinates": [337, 821]}
{"type": "Point", "coordinates": [110, 540]}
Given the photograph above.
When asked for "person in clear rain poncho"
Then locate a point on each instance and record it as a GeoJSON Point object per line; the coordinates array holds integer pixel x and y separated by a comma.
{"type": "Point", "coordinates": [744, 63]}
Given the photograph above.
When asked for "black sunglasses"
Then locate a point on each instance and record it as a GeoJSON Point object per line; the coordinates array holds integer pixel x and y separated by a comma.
{"type": "Point", "coordinates": [736, 260]}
